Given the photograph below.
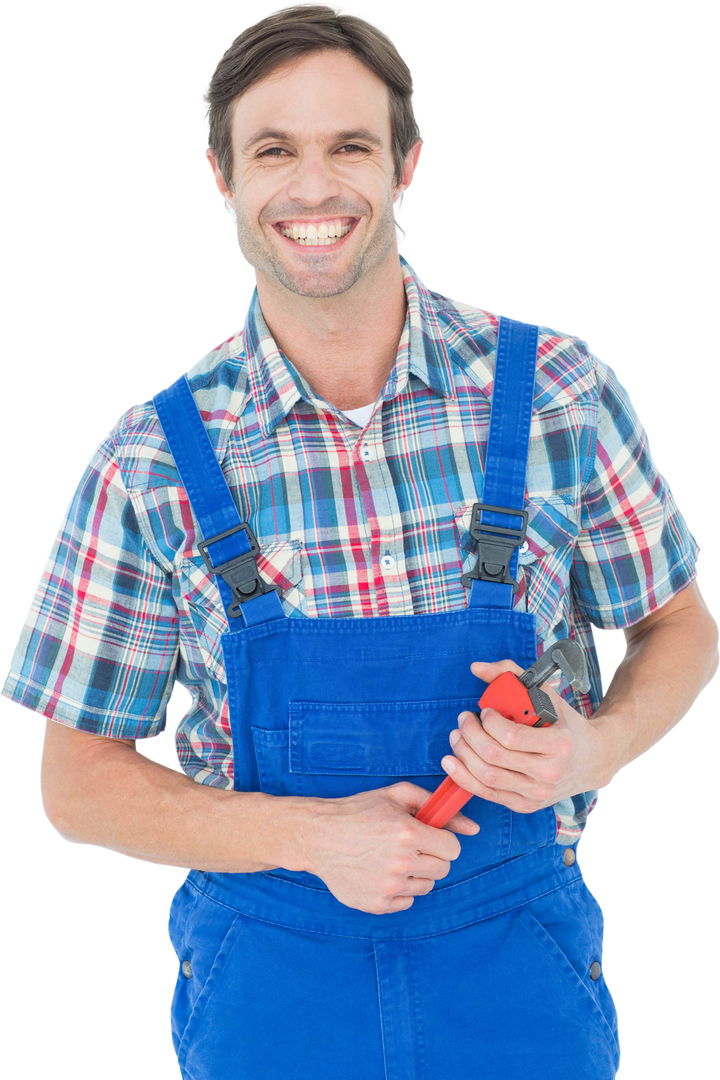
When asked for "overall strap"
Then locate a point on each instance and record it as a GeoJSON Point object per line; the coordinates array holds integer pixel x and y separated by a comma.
{"type": "Point", "coordinates": [499, 521]}
{"type": "Point", "coordinates": [228, 547]}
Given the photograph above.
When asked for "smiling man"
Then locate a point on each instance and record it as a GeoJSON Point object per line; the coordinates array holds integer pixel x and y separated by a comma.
{"type": "Point", "coordinates": [335, 531]}
{"type": "Point", "coordinates": [313, 175]}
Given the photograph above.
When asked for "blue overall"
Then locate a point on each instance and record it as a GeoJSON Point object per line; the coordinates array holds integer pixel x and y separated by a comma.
{"type": "Point", "coordinates": [489, 975]}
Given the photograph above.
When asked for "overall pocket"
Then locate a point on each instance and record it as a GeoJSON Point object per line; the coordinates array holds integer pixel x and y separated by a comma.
{"type": "Point", "coordinates": [333, 749]}
{"type": "Point", "coordinates": [531, 1008]}
{"type": "Point", "coordinates": [568, 926]}
{"type": "Point", "coordinates": [203, 934]}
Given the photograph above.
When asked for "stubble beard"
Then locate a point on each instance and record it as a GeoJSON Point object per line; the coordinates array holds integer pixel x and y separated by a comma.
{"type": "Point", "coordinates": [320, 276]}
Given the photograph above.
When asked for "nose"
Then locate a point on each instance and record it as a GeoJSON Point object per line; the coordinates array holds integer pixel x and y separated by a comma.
{"type": "Point", "coordinates": [313, 181]}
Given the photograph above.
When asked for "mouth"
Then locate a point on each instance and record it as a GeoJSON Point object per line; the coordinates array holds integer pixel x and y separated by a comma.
{"type": "Point", "coordinates": [325, 233]}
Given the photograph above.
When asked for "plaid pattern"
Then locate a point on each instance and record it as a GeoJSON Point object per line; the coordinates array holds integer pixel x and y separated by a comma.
{"type": "Point", "coordinates": [125, 605]}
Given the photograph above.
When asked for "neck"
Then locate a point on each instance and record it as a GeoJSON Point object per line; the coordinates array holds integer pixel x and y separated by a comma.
{"type": "Point", "coordinates": [344, 345]}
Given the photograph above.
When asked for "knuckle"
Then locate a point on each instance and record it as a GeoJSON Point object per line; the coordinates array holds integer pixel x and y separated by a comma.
{"type": "Point", "coordinates": [513, 737]}
{"type": "Point", "coordinates": [490, 777]}
{"type": "Point", "coordinates": [401, 866]}
{"type": "Point", "coordinates": [406, 834]}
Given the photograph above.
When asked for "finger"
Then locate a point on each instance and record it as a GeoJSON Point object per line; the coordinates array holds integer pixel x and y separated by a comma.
{"type": "Point", "coordinates": [427, 866]}
{"type": "Point", "coordinates": [463, 825]}
{"type": "Point", "coordinates": [464, 779]}
{"type": "Point", "coordinates": [516, 737]}
{"type": "Point", "coordinates": [492, 776]}
{"type": "Point", "coordinates": [488, 672]}
{"type": "Point", "coordinates": [501, 738]}
{"type": "Point", "coordinates": [416, 886]}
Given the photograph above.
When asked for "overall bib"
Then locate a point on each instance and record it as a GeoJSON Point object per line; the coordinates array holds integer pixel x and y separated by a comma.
{"type": "Point", "coordinates": [494, 973]}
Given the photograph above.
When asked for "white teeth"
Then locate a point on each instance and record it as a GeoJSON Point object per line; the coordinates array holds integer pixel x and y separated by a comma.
{"type": "Point", "coordinates": [316, 235]}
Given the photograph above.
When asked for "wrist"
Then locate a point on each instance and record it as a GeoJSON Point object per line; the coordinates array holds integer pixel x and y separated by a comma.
{"type": "Point", "coordinates": [615, 732]}
{"type": "Point", "coordinates": [293, 830]}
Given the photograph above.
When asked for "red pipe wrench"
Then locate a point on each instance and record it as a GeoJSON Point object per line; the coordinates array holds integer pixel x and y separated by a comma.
{"type": "Point", "coordinates": [519, 698]}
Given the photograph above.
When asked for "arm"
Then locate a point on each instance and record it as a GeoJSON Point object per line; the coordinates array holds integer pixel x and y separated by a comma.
{"type": "Point", "coordinates": [97, 792]}
{"type": "Point", "coordinates": [671, 655]}
{"type": "Point", "coordinates": [368, 849]}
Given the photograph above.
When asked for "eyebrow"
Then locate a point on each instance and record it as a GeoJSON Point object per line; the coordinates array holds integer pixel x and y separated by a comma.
{"type": "Point", "coordinates": [339, 136]}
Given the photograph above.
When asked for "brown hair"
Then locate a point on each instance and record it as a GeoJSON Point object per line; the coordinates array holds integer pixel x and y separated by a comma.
{"type": "Point", "coordinates": [294, 32]}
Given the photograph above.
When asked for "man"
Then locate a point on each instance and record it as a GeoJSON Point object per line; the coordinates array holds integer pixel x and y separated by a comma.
{"type": "Point", "coordinates": [313, 885]}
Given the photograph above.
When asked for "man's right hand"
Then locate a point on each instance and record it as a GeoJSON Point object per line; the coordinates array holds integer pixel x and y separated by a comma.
{"type": "Point", "coordinates": [371, 852]}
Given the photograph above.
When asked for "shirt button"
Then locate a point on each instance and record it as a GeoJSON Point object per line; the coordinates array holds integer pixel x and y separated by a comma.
{"type": "Point", "coordinates": [595, 971]}
{"type": "Point", "coordinates": [367, 453]}
{"type": "Point", "coordinates": [387, 562]}
{"type": "Point", "coordinates": [568, 856]}
{"type": "Point", "coordinates": [524, 548]}
{"type": "Point", "coordinates": [187, 969]}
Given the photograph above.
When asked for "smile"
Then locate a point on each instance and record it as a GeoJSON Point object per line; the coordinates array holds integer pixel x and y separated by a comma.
{"type": "Point", "coordinates": [314, 234]}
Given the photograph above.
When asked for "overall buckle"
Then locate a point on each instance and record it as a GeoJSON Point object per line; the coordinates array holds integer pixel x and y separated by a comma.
{"type": "Point", "coordinates": [495, 546]}
{"type": "Point", "coordinates": [240, 574]}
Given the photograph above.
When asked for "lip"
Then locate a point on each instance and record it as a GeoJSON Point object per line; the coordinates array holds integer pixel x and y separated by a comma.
{"type": "Point", "coordinates": [324, 248]}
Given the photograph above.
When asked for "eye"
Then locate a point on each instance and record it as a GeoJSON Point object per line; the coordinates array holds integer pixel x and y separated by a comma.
{"type": "Point", "coordinates": [272, 151]}
{"type": "Point", "coordinates": [352, 148]}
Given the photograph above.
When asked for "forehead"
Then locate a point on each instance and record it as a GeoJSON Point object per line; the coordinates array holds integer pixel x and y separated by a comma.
{"type": "Point", "coordinates": [323, 93]}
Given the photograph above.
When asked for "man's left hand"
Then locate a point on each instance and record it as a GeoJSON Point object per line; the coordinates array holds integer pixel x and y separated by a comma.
{"type": "Point", "coordinates": [524, 768]}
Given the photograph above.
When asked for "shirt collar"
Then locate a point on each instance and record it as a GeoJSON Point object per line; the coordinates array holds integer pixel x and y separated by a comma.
{"type": "Point", "coordinates": [276, 385]}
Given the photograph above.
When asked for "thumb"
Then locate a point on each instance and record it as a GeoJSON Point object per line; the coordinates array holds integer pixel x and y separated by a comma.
{"type": "Point", "coordinates": [412, 797]}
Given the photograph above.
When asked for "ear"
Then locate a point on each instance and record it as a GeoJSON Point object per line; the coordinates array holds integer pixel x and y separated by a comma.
{"type": "Point", "coordinates": [227, 193]}
{"type": "Point", "coordinates": [409, 170]}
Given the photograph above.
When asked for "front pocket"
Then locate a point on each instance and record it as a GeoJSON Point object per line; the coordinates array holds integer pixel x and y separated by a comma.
{"type": "Point", "coordinates": [211, 934]}
{"type": "Point", "coordinates": [333, 749]}
{"type": "Point", "coordinates": [567, 926]}
{"type": "Point", "coordinates": [527, 1012]}
{"type": "Point", "coordinates": [201, 932]}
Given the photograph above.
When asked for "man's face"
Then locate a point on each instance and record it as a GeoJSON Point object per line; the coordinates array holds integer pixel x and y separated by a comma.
{"type": "Point", "coordinates": [313, 174]}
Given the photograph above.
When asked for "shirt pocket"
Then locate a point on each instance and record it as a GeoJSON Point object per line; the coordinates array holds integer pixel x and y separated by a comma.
{"type": "Point", "coordinates": [552, 533]}
{"type": "Point", "coordinates": [279, 563]}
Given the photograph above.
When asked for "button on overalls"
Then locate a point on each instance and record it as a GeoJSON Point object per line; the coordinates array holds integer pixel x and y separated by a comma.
{"type": "Point", "coordinates": [493, 974]}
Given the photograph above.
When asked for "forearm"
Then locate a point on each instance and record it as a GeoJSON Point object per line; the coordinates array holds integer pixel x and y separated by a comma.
{"type": "Point", "coordinates": [666, 665]}
{"type": "Point", "coordinates": [103, 792]}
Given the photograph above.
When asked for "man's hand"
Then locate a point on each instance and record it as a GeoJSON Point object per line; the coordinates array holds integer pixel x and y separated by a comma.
{"type": "Point", "coordinates": [371, 852]}
{"type": "Point", "coordinates": [523, 768]}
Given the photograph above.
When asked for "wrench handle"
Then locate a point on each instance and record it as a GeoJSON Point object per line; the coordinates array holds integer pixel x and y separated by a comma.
{"type": "Point", "coordinates": [506, 694]}
{"type": "Point", "coordinates": [443, 804]}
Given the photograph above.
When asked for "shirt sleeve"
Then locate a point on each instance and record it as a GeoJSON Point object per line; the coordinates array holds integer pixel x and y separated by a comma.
{"type": "Point", "coordinates": [634, 550]}
{"type": "Point", "coordinates": [100, 645]}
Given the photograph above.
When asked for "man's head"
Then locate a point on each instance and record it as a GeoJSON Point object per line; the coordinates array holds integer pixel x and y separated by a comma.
{"type": "Point", "coordinates": [312, 129]}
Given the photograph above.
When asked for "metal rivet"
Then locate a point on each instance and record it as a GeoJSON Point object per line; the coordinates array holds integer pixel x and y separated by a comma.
{"type": "Point", "coordinates": [568, 856]}
{"type": "Point", "coordinates": [187, 969]}
{"type": "Point", "coordinates": [595, 971]}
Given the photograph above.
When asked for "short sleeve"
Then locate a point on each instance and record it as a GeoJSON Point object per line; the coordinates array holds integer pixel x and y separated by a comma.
{"type": "Point", "coordinates": [634, 551]}
{"type": "Point", "coordinates": [100, 645]}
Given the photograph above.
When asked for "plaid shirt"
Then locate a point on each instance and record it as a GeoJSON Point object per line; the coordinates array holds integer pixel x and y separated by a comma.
{"type": "Point", "coordinates": [125, 606]}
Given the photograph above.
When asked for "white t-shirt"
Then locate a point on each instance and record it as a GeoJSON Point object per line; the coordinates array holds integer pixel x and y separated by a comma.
{"type": "Point", "coordinates": [360, 416]}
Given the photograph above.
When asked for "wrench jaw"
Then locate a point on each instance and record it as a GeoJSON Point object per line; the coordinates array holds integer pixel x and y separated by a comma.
{"type": "Point", "coordinates": [570, 658]}
{"type": "Point", "coordinates": [565, 655]}
{"type": "Point", "coordinates": [542, 706]}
